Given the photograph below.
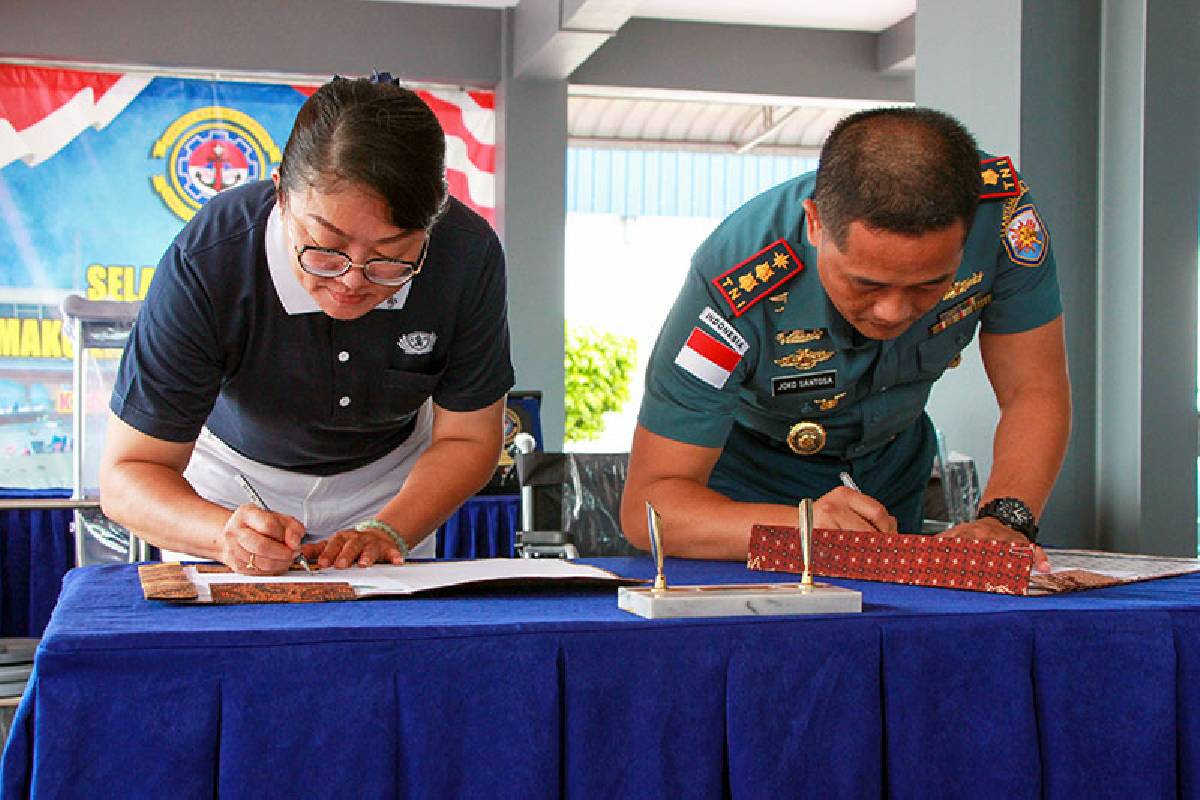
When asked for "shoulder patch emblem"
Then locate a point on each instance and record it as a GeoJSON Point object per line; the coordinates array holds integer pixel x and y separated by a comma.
{"type": "Point", "coordinates": [706, 357]}
{"type": "Point", "coordinates": [758, 276]}
{"type": "Point", "coordinates": [1026, 237]}
{"type": "Point", "coordinates": [726, 331]}
{"type": "Point", "coordinates": [999, 178]}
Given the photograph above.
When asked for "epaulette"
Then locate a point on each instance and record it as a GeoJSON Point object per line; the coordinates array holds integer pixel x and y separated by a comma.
{"type": "Point", "coordinates": [999, 178]}
{"type": "Point", "coordinates": [758, 276]}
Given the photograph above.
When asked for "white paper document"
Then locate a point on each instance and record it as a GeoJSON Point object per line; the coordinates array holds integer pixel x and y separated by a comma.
{"type": "Point", "coordinates": [1124, 566]}
{"type": "Point", "coordinates": [389, 579]}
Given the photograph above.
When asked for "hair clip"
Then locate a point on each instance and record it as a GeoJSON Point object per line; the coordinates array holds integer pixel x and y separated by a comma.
{"type": "Point", "coordinates": [383, 78]}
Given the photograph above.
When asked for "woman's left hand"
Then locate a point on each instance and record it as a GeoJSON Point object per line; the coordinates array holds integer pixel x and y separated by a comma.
{"type": "Point", "coordinates": [351, 547]}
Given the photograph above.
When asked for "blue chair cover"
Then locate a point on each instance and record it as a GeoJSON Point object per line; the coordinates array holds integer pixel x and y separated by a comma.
{"type": "Point", "coordinates": [484, 527]}
{"type": "Point", "coordinates": [36, 550]}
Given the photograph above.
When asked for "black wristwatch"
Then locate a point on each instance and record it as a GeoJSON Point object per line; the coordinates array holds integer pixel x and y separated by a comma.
{"type": "Point", "coordinates": [1013, 513]}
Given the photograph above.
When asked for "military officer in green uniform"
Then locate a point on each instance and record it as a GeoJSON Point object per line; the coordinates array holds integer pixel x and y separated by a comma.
{"type": "Point", "coordinates": [812, 325]}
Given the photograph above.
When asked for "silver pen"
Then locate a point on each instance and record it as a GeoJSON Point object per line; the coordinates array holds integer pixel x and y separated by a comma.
{"type": "Point", "coordinates": [258, 501]}
{"type": "Point", "coordinates": [848, 482]}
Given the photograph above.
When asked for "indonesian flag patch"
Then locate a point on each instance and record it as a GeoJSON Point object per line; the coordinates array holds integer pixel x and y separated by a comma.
{"type": "Point", "coordinates": [707, 358]}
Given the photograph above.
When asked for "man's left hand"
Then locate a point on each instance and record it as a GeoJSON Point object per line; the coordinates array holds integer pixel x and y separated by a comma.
{"type": "Point", "coordinates": [988, 529]}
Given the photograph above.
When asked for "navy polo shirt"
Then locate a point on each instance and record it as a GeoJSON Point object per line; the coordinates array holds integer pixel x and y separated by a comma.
{"type": "Point", "coordinates": [229, 338]}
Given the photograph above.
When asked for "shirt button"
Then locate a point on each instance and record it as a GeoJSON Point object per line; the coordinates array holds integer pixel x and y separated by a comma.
{"type": "Point", "coordinates": [343, 356]}
{"type": "Point", "coordinates": [345, 401]}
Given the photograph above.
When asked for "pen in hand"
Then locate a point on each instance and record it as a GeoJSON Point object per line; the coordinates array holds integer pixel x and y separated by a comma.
{"type": "Point", "coordinates": [848, 482]}
{"type": "Point", "coordinates": [258, 501]}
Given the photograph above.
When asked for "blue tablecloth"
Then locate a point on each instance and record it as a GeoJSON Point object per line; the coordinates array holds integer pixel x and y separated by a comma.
{"type": "Point", "coordinates": [484, 527]}
{"type": "Point", "coordinates": [36, 550]}
{"type": "Point", "coordinates": [927, 693]}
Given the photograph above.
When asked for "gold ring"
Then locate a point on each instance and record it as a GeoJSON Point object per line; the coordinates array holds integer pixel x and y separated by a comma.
{"type": "Point", "coordinates": [250, 563]}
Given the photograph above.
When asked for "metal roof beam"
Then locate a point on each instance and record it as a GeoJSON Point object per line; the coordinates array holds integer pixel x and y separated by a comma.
{"type": "Point", "coordinates": [553, 37]}
{"type": "Point", "coordinates": [652, 54]}
{"type": "Point", "coordinates": [896, 48]}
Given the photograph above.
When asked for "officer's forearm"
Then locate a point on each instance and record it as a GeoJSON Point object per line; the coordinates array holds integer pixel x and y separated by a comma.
{"type": "Point", "coordinates": [696, 521]}
{"type": "Point", "coordinates": [1030, 442]}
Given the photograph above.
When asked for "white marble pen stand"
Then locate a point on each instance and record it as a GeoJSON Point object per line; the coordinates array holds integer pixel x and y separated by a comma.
{"type": "Point", "coordinates": [737, 600]}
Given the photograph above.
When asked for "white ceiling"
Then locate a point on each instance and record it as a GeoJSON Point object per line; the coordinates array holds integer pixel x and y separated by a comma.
{"type": "Point", "coordinates": [672, 120]}
{"type": "Point", "coordinates": [848, 15]}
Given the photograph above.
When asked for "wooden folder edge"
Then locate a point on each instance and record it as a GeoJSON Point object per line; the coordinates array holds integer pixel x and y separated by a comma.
{"type": "Point", "coordinates": [168, 581]}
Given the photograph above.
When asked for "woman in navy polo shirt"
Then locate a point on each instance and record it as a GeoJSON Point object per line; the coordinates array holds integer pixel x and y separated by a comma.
{"type": "Point", "coordinates": [339, 338]}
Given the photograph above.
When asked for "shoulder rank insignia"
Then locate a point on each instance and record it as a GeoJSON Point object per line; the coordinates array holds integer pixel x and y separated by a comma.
{"type": "Point", "coordinates": [959, 287]}
{"type": "Point", "coordinates": [758, 276]}
{"type": "Point", "coordinates": [804, 358]}
{"type": "Point", "coordinates": [959, 312]}
{"type": "Point", "coordinates": [999, 178]}
{"type": "Point", "coordinates": [799, 336]}
{"type": "Point", "coordinates": [1026, 237]}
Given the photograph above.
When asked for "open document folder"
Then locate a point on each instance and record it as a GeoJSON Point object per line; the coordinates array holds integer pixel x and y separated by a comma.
{"type": "Point", "coordinates": [952, 563]}
{"type": "Point", "coordinates": [214, 583]}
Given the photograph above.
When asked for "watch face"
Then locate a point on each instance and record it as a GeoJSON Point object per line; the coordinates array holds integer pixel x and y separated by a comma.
{"type": "Point", "coordinates": [1016, 511]}
{"type": "Point", "coordinates": [1011, 512]}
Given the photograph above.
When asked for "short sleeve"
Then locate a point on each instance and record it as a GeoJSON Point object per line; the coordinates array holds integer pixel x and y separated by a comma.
{"type": "Point", "coordinates": [697, 367]}
{"type": "Point", "coordinates": [170, 373]}
{"type": "Point", "coordinates": [479, 370]}
{"type": "Point", "coordinates": [1025, 293]}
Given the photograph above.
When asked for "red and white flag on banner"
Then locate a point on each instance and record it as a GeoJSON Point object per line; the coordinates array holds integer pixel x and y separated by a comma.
{"type": "Point", "coordinates": [43, 109]}
{"type": "Point", "coordinates": [708, 358]}
{"type": "Point", "coordinates": [469, 121]}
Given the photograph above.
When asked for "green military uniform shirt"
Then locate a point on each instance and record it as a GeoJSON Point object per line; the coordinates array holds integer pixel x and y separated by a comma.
{"type": "Point", "coordinates": [755, 359]}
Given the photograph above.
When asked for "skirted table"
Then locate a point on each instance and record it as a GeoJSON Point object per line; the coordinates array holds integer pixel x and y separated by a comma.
{"type": "Point", "coordinates": [927, 693]}
{"type": "Point", "coordinates": [37, 549]}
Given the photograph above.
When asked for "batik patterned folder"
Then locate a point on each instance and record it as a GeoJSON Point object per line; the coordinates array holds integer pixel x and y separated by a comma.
{"type": "Point", "coordinates": [979, 566]}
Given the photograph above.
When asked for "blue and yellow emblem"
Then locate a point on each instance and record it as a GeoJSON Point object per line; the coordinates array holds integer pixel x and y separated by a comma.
{"type": "Point", "coordinates": [758, 276]}
{"type": "Point", "coordinates": [1026, 237]}
{"type": "Point", "coordinates": [207, 151]}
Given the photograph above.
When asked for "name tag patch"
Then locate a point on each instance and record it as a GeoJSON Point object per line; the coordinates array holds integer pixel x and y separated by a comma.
{"type": "Point", "coordinates": [726, 331]}
{"type": "Point", "coordinates": [798, 384]}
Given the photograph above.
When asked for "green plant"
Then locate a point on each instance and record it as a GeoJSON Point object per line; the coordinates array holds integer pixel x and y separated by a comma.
{"type": "Point", "coordinates": [598, 367]}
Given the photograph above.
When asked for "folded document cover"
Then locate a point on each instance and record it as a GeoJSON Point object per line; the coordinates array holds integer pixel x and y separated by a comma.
{"type": "Point", "coordinates": [979, 566]}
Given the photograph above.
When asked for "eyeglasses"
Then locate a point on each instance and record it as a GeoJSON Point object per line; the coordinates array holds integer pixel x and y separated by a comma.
{"type": "Point", "coordinates": [324, 262]}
